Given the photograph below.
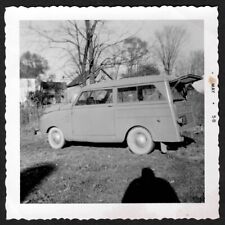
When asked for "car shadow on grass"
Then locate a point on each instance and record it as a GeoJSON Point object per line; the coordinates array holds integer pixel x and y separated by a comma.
{"type": "Point", "coordinates": [99, 144]}
{"type": "Point", "coordinates": [170, 146]}
{"type": "Point", "coordinates": [185, 143]}
{"type": "Point", "coordinates": [149, 189]}
{"type": "Point", "coordinates": [31, 177]}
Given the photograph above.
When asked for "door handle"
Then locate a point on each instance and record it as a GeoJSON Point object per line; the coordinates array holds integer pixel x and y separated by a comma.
{"type": "Point", "coordinates": [109, 105]}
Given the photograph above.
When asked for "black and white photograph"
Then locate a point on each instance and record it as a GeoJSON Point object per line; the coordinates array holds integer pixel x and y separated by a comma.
{"type": "Point", "coordinates": [115, 110]}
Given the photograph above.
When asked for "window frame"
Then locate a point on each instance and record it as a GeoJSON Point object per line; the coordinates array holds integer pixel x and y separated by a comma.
{"type": "Point", "coordinates": [91, 92]}
{"type": "Point", "coordinates": [163, 101]}
{"type": "Point", "coordinates": [103, 89]}
{"type": "Point", "coordinates": [124, 87]}
{"type": "Point", "coordinates": [156, 89]}
{"type": "Point", "coordinates": [78, 98]}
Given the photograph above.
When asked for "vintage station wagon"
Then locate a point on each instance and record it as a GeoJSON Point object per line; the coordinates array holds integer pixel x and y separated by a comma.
{"type": "Point", "coordinates": [140, 111]}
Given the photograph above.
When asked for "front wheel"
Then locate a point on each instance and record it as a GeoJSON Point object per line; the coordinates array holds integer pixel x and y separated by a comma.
{"type": "Point", "coordinates": [140, 141]}
{"type": "Point", "coordinates": [56, 138]}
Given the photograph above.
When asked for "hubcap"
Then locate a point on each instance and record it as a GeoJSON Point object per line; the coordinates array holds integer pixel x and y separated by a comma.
{"type": "Point", "coordinates": [56, 137]}
{"type": "Point", "coordinates": [140, 140]}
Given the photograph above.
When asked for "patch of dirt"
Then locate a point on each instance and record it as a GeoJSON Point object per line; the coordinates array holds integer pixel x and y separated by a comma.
{"type": "Point", "coordinates": [94, 174]}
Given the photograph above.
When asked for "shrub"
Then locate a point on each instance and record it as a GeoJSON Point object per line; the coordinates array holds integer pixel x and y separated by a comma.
{"type": "Point", "coordinates": [29, 113]}
{"type": "Point", "coordinates": [197, 102]}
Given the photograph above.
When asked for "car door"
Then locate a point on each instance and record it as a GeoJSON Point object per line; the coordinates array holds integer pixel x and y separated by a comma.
{"type": "Point", "coordinates": [93, 115]}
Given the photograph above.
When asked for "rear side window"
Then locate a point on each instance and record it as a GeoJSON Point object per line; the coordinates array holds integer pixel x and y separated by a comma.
{"type": "Point", "coordinates": [128, 94]}
{"type": "Point", "coordinates": [149, 93]}
{"type": "Point", "coordinates": [95, 97]}
{"type": "Point", "coordinates": [140, 93]}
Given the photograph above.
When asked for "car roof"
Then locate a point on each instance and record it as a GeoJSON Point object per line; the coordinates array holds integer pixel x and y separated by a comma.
{"type": "Point", "coordinates": [127, 81]}
{"type": "Point", "coordinates": [190, 78]}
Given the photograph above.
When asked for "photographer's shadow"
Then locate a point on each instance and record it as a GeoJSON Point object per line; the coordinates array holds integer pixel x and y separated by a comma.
{"type": "Point", "coordinates": [31, 177]}
{"type": "Point", "coordinates": [150, 189]}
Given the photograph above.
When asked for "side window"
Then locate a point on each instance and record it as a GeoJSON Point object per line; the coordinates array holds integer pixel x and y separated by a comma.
{"type": "Point", "coordinates": [83, 98]}
{"type": "Point", "coordinates": [149, 93]}
{"type": "Point", "coordinates": [128, 94]}
{"type": "Point", "coordinates": [95, 97]}
{"type": "Point", "coordinates": [102, 96]}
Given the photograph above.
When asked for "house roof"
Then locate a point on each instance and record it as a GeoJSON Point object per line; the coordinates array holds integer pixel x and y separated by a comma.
{"type": "Point", "coordinates": [53, 85]}
{"type": "Point", "coordinates": [76, 81]}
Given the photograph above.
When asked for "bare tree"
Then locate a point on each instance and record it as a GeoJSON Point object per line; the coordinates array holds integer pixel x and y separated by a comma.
{"type": "Point", "coordinates": [144, 70]}
{"type": "Point", "coordinates": [84, 51]}
{"type": "Point", "coordinates": [197, 62]}
{"type": "Point", "coordinates": [134, 51]}
{"type": "Point", "coordinates": [32, 65]}
{"type": "Point", "coordinates": [168, 45]}
{"type": "Point", "coordinates": [193, 63]}
{"type": "Point", "coordinates": [51, 77]}
{"type": "Point", "coordinates": [182, 66]}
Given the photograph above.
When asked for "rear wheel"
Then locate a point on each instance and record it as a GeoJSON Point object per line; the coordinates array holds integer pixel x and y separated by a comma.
{"type": "Point", "coordinates": [56, 138]}
{"type": "Point", "coordinates": [140, 141]}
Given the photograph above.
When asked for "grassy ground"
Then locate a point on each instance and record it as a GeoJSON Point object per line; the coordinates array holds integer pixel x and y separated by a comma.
{"type": "Point", "coordinates": [101, 173]}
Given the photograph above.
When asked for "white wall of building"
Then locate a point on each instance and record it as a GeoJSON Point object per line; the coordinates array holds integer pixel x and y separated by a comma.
{"type": "Point", "coordinates": [26, 85]}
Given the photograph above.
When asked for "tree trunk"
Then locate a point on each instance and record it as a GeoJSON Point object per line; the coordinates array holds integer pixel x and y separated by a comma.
{"type": "Point", "coordinates": [84, 62]}
{"type": "Point", "coordinates": [91, 63]}
{"type": "Point", "coordinates": [88, 51]}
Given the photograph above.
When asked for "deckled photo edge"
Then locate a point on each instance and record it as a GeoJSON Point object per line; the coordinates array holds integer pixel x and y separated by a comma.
{"type": "Point", "coordinates": [15, 209]}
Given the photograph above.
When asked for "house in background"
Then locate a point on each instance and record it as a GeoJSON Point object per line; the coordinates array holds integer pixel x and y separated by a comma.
{"type": "Point", "coordinates": [52, 92]}
{"type": "Point", "coordinates": [27, 84]}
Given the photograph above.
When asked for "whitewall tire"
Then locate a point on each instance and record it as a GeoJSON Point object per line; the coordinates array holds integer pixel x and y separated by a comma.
{"type": "Point", "coordinates": [56, 138]}
{"type": "Point", "coordinates": [140, 141]}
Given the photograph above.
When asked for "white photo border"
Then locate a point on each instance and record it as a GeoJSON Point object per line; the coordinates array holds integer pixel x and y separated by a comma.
{"type": "Point", "coordinates": [16, 210]}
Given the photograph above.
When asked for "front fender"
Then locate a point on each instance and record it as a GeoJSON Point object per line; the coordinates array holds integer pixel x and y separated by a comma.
{"type": "Point", "coordinates": [60, 119]}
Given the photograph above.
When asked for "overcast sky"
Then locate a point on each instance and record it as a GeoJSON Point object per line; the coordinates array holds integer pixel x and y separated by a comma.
{"type": "Point", "coordinates": [144, 29]}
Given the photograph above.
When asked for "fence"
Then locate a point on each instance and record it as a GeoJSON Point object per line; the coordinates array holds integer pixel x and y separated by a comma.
{"type": "Point", "coordinates": [30, 114]}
